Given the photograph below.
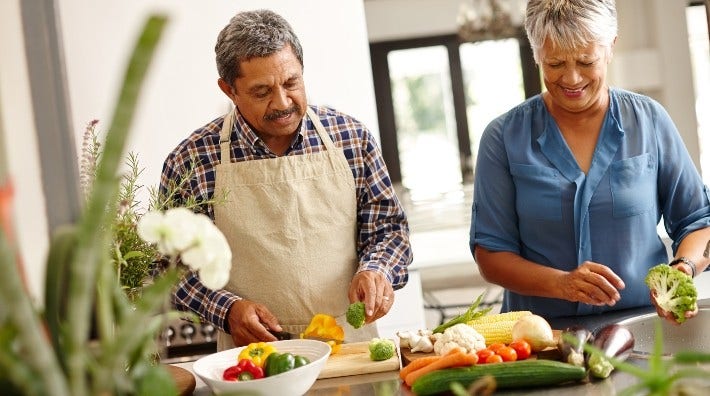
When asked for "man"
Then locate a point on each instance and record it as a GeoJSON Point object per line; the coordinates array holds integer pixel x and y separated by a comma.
{"type": "Point", "coordinates": [311, 215]}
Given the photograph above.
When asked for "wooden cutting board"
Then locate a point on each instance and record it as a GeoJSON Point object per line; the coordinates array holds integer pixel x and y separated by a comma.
{"type": "Point", "coordinates": [184, 380]}
{"type": "Point", "coordinates": [353, 359]}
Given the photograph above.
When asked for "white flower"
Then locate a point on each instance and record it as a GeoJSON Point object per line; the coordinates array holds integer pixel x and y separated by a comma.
{"type": "Point", "coordinates": [194, 238]}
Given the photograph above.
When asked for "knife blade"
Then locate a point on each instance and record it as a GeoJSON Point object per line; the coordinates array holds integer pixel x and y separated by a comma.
{"type": "Point", "coordinates": [285, 335]}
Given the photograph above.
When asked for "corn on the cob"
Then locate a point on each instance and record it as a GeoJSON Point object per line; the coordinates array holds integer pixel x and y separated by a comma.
{"type": "Point", "coordinates": [498, 327]}
{"type": "Point", "coordinates": [501, 317]}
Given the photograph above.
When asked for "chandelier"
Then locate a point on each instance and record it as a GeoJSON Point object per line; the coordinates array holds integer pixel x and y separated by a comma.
{"type": "Point", "coordinates": [490, 19]}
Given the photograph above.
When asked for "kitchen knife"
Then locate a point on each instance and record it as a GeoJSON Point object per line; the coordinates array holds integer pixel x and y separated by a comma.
{"type": "Point", "coordinates": [285, 335]}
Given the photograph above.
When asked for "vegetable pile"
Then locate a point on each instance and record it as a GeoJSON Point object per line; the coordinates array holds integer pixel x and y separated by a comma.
{"type": "Point", "coordinates": [259, 360]}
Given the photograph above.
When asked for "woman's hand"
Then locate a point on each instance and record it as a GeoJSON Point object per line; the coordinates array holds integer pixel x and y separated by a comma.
{"type": "Point", "coordinates": [667, 315]}
{"type": "Point", "coordinates": [592, 283]}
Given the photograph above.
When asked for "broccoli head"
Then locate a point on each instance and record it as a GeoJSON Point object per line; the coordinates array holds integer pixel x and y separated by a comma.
{"type": "Point", "coordinates": [381, 348]}
{"type": "Point", "coordinates": [674, 290]}
{"type": "Point", "coordinates": [355, 314]}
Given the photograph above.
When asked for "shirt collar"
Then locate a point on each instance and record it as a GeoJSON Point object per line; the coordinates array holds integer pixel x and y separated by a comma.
{"type": "Point", "coordinates": [242, 130]}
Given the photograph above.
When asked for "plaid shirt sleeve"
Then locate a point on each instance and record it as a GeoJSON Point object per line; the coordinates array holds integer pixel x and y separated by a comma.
{"type": "Point", "coordinates": [383, 239]}
{"type": "Point", "coordinates": [197, 153]}
{"type": "Point", "coordinates": [211, 305]}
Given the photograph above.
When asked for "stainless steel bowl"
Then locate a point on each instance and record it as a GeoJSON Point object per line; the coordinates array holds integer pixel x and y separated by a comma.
{"type": "Point", "coordinates": [692, 335]}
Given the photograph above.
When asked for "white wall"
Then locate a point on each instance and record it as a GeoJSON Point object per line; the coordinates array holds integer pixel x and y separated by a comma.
{"type": "Point", "coordinates": [181, 92]}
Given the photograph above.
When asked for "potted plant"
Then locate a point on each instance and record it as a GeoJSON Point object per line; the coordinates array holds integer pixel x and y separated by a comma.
{"type": "Point", "coordinates": [52, 351]}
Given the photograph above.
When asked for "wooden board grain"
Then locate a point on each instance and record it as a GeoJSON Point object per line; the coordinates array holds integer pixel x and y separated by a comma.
{"type": "Point", "coordinates": [353, 359]}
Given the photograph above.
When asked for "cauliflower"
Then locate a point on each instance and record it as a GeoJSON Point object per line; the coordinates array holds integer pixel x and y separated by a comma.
{"type": "Point", "coordinates": [419, 341]}
{"type": "Point", "coordinates": [381, 349]}
{"type": "Point", "coordinates": [461, 336]}
{"type": "Point", "coordinates": [674, 290]}
{"type": "Point", "coordinates": [355, 315]}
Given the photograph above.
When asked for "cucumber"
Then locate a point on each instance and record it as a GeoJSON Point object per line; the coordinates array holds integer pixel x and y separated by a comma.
{"type": "Point", "coordinates": [518, 374]}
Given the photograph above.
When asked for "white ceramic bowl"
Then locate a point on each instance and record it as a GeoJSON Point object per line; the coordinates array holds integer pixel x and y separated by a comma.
{"type": "Point", "coordinates": [294, 382]}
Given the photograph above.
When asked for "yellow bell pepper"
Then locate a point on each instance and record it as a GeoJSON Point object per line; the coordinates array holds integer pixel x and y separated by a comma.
{"type": "Point", "coordinates": [257, 352]}
{"type": "Point", "coordinates": [325, 326]}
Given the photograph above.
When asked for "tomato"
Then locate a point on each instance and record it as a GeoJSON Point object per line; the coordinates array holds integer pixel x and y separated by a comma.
{"type": "Point", "coordinates": [508, 354]}
{"type": "Point", "coordinates": [496, 346]}
{"type": "Point", "coordinates": [494, 359]}
{"type": "Point", "coordinates": [522, 348]}
{"type": "Point", "coordinates": [483, 354]}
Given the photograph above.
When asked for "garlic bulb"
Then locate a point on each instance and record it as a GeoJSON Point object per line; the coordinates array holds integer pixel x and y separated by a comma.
{"type": "Point", "coordinates": [419, 341]}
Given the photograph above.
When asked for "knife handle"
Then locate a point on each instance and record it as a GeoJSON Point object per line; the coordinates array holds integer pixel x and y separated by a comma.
{"type": "Point", "coordinates": [281, 335]}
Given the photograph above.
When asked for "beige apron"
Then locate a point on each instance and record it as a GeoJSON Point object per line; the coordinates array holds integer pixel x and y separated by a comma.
{"type": "Point", "coordinates": [291, 223]}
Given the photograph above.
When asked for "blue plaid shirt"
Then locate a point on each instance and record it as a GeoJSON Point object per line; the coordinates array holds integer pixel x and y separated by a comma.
{"type": "Point", "coordinates": [383, 231]}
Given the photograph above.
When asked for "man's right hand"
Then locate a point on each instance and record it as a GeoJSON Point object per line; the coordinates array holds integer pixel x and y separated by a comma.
{"type": "Point", "coordinates": [250, 322]}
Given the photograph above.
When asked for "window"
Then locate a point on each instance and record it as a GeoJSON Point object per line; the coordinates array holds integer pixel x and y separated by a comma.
{"type": "Point", "coordinates": [435, 96]}
{"type": "Point", "coordinates": [699, 42]}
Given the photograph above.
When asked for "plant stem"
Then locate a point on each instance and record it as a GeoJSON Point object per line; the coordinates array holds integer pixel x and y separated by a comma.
{"type": "Point", "coordinates": [96, 220]}
{"type": "Point", "coordinates": [36, 349]}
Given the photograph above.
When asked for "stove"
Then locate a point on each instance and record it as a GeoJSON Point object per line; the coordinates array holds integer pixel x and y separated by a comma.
{"type": "Point", "coordinates": [185, 341]}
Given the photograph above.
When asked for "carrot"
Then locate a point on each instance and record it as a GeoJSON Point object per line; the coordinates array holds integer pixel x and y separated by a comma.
{"type": "Point", "coordinates": [455, 359]}
{"type": "Point", "coordinates": [421, 362]}
{"type": "Point", "coordinates": [417, 364]}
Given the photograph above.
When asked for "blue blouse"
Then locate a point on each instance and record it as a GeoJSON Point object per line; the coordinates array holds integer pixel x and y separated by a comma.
{"type": "Point", "coordinates": [532, 199]}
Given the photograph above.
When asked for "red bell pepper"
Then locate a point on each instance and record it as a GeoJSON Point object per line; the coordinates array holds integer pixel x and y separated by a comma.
{"type": "Point", "coordinates": [245, 370]}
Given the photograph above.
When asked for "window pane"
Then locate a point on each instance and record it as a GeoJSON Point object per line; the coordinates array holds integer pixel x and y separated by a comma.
{"type": "Point", "coordinates": [494, 83]}
{"type": "Point", "coordinates": [426, 126]}
{"type": "Point", "coordinates": [700, 61]}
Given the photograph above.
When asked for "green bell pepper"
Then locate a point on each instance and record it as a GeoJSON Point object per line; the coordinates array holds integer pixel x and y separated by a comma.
{"type": "Point", "coordinates": [277, 363]}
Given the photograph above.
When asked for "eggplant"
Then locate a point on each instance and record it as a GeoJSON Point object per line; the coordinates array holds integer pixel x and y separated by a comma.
{"type": "Point", "coordinates": [612, 340]}
{"type": "Point", "coordinates": [571, 344]}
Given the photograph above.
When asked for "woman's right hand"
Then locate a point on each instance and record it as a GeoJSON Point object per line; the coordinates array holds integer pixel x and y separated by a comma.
{"type": "Point", "coordinates": [592, 283]}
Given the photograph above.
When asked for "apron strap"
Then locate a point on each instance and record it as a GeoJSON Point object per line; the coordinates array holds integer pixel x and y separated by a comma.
{"type": "Point", "coordinates": [224, 135]}
{"type": "Point", "coordinates": [324, 137]}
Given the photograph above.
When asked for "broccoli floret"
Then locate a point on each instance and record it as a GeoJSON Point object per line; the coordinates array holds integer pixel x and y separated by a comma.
{"type": "Point", "coordinates": [599, 366]}
{"type": "Point", "coordinates": [356, 314]}
{"type": "Point", "coordinates": [674, 290]}
{"type": "Point", "coordinates": [381, 348]}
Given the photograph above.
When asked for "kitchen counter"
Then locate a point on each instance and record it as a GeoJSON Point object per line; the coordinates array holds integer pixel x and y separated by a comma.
{"type": "Point", "coordinates": [389, 384]}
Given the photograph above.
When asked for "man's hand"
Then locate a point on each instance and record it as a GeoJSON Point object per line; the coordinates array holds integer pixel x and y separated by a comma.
{"type": "Point", "coordinates": [250, 322]}
{"type": "Point", "coordinates": [592, 283]}
{"type": "Point", "coordinates": [372, 288]}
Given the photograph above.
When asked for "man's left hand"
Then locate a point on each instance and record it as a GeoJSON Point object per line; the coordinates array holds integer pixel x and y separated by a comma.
{"type": "Point", "coordinates": [375, 290]}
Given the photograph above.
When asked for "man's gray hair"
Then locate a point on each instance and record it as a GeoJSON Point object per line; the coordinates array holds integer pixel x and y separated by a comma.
{"type": "Point", "coordinates": [252, 34]}
{"type": "Point", "coordinates": [570, 24]}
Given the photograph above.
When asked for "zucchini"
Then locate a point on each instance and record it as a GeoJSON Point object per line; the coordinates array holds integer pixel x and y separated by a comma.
{"type": "Point", "coordinates": [518, 374]}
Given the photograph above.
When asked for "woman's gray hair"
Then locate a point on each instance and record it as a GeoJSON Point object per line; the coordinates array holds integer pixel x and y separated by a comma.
{"type": "Point", "coordinates": [252, 34]}
{"type": "Point", "coordinates": [570, 24]}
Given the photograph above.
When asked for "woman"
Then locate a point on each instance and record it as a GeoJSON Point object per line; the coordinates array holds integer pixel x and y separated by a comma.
{"type": "Point", "coordinates": [572, 183]}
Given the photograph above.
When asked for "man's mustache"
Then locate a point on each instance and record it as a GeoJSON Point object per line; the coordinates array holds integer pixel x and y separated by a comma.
{"type": "Point", "coordinates": [282, 113]}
